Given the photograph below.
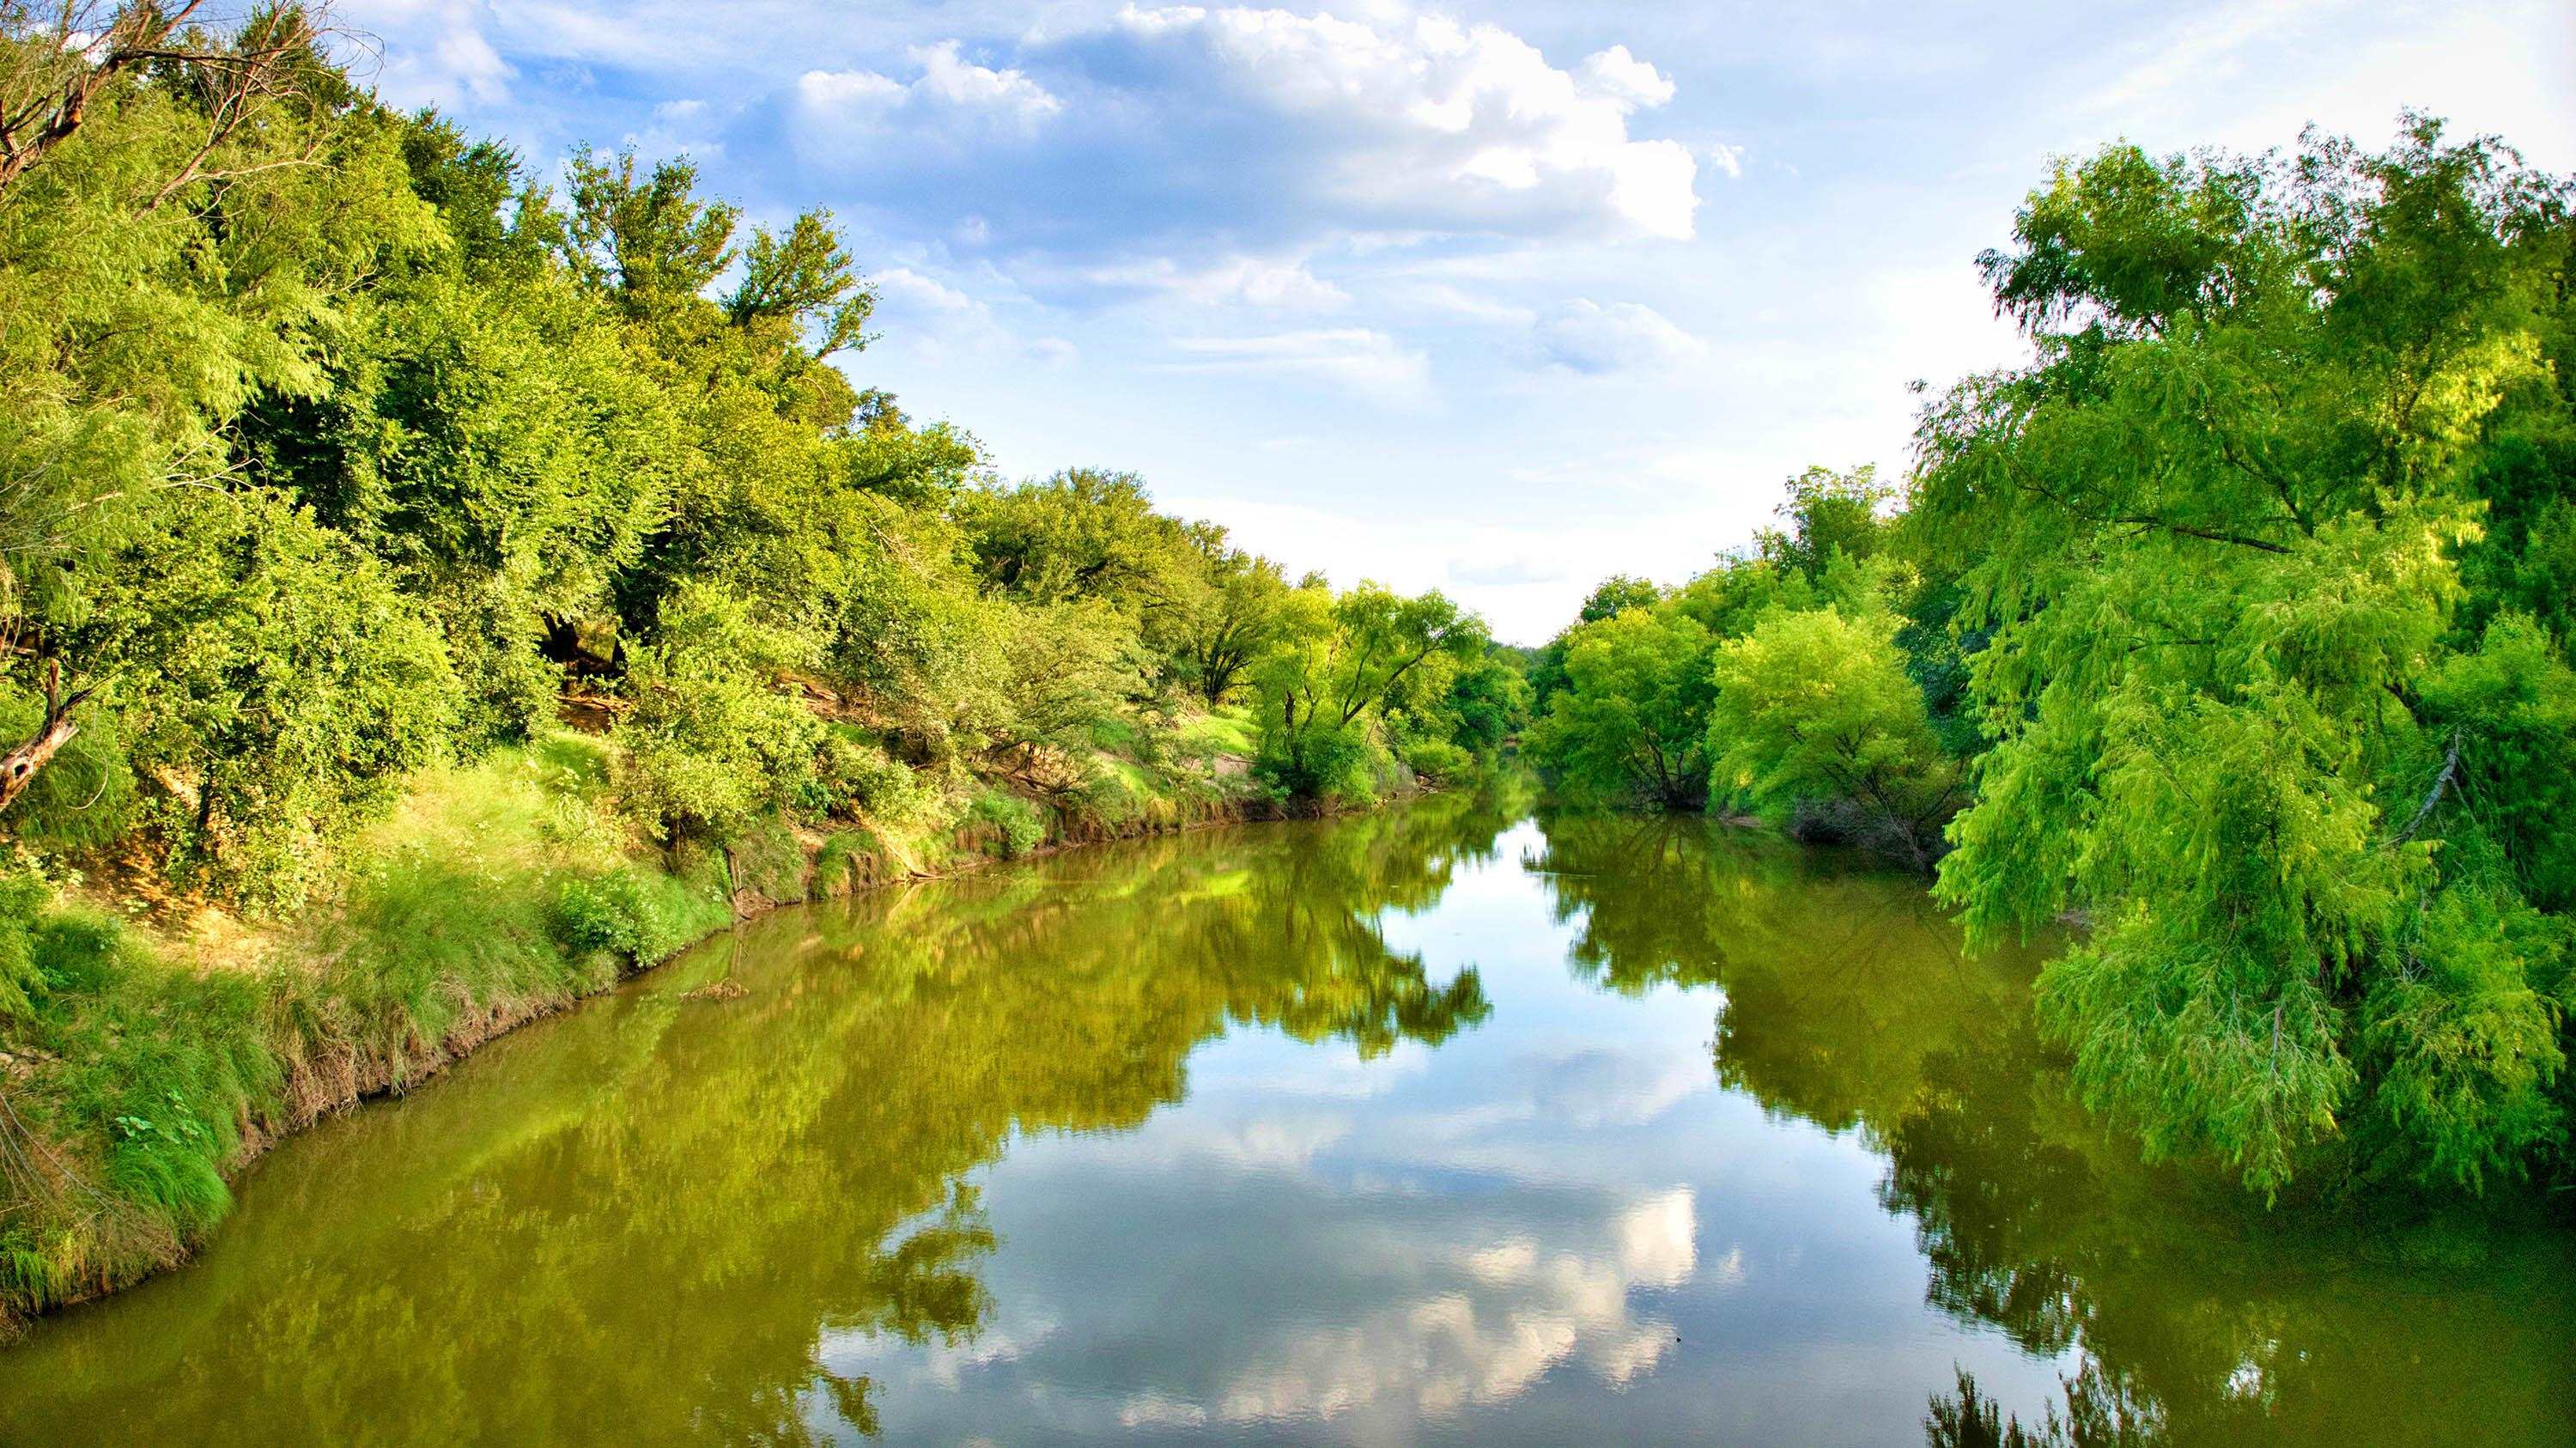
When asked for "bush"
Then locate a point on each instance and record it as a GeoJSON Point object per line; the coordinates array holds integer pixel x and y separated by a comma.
{"type": "Point", "coordinates": [626, 913]}
{"type": "Point", "coordinates": [1012, 822]}
{"type": "Point", "coordinates": [1325, 762]}
{"type": "Point", "coordinates": [1437, 759]}
{"type": "Point", "coordinates": [858, 777]}
{"type": "Point", "coordinates": [711, 746]}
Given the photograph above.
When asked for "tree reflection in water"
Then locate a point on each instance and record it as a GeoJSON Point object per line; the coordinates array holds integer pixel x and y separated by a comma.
{"type": "Point", "coordinates": [637, 1222]}
{"type": "Point", "coordinates": [662, 1218]}
{"type": "Point", "coordinates": [2183, 1312]}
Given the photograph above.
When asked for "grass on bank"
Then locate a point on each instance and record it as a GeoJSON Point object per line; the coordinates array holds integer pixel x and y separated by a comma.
{"type": "Point", "coordinates": [157, 1047]}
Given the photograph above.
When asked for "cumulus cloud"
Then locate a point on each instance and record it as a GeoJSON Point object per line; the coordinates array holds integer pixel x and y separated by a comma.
{"type": "Point", "coordinates": [949, 87]}
{"type": "Point", "coordinates": [1260, 129]}
{"type": "Point", "coordinates": [905, 287]}
{"type": "Point", "coordinates": [1623, 79]}
{"type": "Point", "coordinates": [1588, 337]}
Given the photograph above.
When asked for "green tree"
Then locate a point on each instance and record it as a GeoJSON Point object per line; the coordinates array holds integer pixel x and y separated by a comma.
{"type": "Point", "coordinates": [2217, 531]}
{"type": "Point", "coordinates": [1828, 513]}
{"type": "Point", "coordinates": [1816, 725]}
{"type": "Point", "coordinates": [1632, 720]}
{"type": "Point", "coordinates": [1336, 668]}
{"type": "Point", "coordinates": [648, 241]}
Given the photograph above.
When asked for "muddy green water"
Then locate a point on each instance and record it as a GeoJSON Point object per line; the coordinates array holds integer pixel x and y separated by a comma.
{"type": "Point", "coordinates": [1444, 1124]}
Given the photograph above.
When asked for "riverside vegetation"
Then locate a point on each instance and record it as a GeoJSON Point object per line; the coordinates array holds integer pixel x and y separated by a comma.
{"type": "Point", "coordinates": [2232, 626]}
{"type": "Point", "coordinates": [429, 594]}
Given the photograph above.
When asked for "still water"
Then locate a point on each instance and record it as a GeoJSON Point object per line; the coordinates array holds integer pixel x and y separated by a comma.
{"type": "Point", "coordinates": [1445, 1124]}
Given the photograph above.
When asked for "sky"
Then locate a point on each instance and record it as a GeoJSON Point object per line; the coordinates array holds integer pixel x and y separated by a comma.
{"type": "Point", "coordinates": [1493, 298]}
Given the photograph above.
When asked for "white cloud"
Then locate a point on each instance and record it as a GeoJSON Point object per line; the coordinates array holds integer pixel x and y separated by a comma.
{"type": "Point", "coordinates": [1587, 337]}
{"type": "Point", "coordinates": [1270, 129]}
{"type": "Point", "coordinates": [931, 317]}
{"type": "Point", "coordinates": [1623, 78]}
{"type": "Point", "coordinates": [1458, 301]}
{"type": "Point", "coordinates": [453, 66]}
{"type": "Point", "coordinates": [908, 287]}
{"type": "Point", "coordinates": [1360, 358]}
{"type": "Point", "coordinates": [948, 87]}
{"type": "Point", "coordinates": [947, 76]}
{"type": "Point", "coordinates": [1726, 158]}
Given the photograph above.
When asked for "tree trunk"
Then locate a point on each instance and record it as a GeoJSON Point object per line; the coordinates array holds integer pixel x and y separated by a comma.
{"type": "Point", "coordinates": [18, 767]}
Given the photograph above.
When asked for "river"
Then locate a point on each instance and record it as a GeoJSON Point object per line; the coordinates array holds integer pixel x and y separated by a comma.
{"type": "Point", "coordinates": [1442, 1124]}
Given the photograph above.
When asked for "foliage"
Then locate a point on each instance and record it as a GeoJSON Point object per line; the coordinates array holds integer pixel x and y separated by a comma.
{"type": "Point", "coordinates": [2233, 701]}
{"type": "Point", "coordinates": [1632, 720]}
{"type": "Point", "coordinates": [1815, 717]}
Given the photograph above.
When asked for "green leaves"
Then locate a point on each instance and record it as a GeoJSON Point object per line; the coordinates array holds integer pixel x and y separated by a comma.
{"type": "Point", "coordinates": [1335, 671]}
{"type": "Point", "coordinates": [2218, 535]}
{"type": "Point", "coordinates": [1815, 721]}
{"type": "Point", "coordinates": [1632, 719]}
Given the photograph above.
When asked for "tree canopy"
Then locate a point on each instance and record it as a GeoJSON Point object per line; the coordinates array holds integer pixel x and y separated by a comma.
{"type": "Point", "coordinates": [2233, 625]}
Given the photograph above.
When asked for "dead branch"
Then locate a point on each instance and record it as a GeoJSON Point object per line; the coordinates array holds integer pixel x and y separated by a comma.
{"type": "Point", "coordinates": [18, 766]}
{"type": "Point", "coordinates": [46, 93]}
{"type": "Point", "coordinates": [2441, 784]}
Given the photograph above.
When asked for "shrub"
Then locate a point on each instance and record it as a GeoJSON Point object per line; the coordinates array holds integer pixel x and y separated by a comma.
{"type": "Point", "coordinates": [858, 777]}
{"type": "Point", "coordinates": [1012, 822]}
{"type": "Point", "coordinates": [630, 915]}
{"type": "Point", "coordinates": [1324, 762]}
{"type": "Point", "coordinates": [1437, 759]}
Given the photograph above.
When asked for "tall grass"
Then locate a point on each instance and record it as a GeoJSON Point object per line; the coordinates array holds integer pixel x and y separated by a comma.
{"type": "Point", "coordinates": [495, 892]}
{"type": "Point", "coordinates": [146, 1062]}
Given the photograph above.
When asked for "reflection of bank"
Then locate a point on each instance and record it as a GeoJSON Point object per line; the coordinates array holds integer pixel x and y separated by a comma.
{"type": "Point", "coordinates": [2174, 1309]}
{"type": "Point", "coordinates": [657, 1207]}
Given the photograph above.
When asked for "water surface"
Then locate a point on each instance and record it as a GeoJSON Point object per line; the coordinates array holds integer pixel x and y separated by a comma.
{"type": "Point", "coordinates": [1438, 1125]}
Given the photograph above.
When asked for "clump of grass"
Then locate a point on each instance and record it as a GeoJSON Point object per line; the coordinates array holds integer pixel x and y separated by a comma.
{"type": "Point", "coordinates": [1227, 730]}
{"type": "Point", "coordinates": [1010, 825]}
{"type": "Point", "coordinates": [155, 1072]}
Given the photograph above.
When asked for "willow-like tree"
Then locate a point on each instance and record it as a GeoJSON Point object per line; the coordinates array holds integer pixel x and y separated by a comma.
{"type": "Point", "coordinates": [2276, 686]}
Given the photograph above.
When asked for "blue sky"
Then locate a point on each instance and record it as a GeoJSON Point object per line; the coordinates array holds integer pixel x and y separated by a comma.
{"type": "Point", "coordinates": [1496, 298]}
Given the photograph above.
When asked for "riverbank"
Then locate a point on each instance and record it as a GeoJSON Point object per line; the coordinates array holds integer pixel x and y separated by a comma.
{"type": "Point", "coordinates": [183, 1041]}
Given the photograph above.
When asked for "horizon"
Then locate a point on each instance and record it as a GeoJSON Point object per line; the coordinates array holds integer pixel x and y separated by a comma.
{"type": "Point", "coordinates": [1496, 299]}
